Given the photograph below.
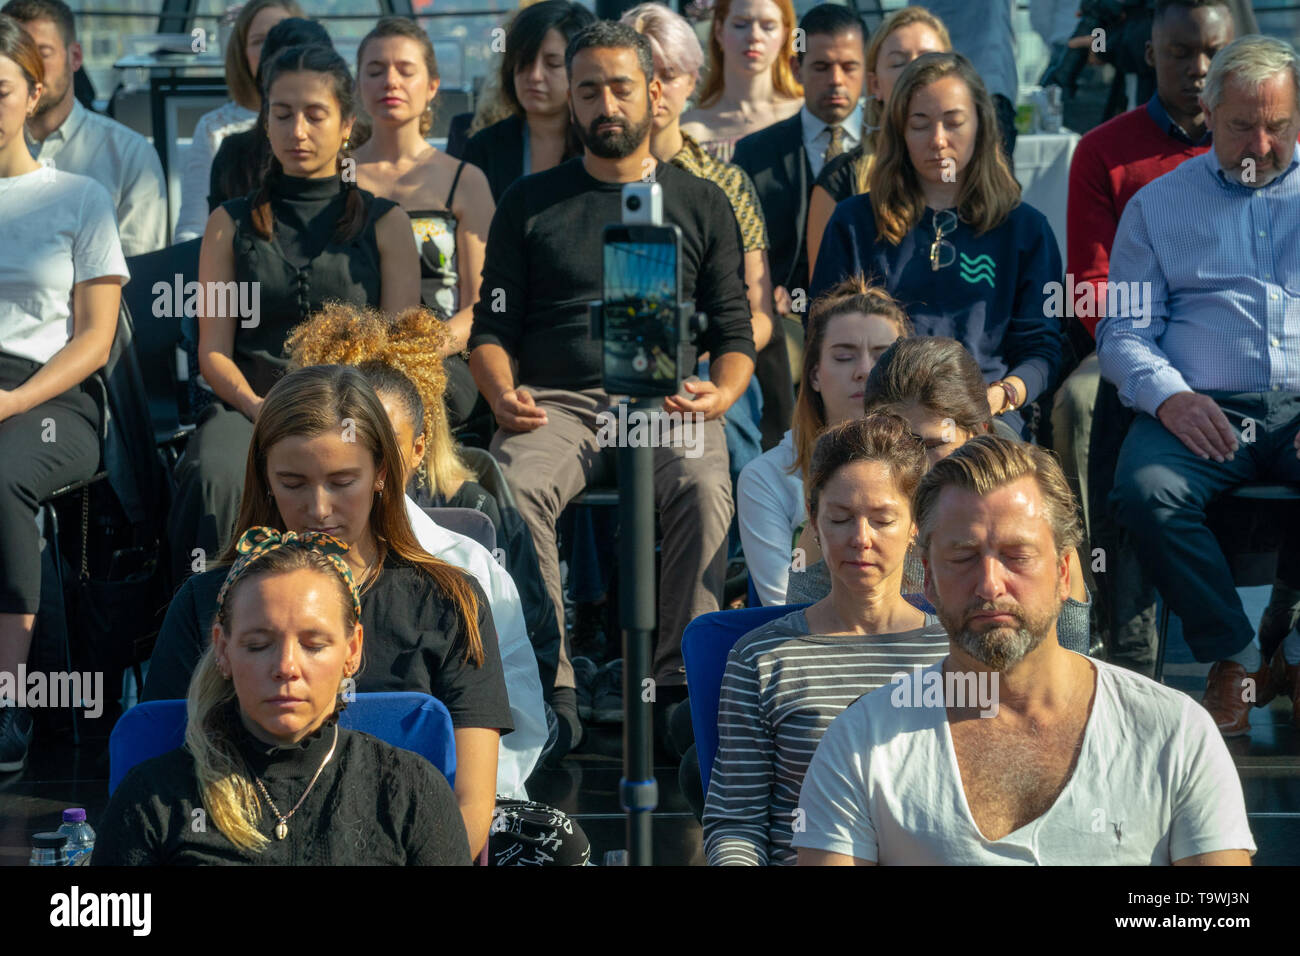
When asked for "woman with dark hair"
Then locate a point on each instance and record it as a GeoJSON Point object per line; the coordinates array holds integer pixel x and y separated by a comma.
{"type": "Point", "coordinates": [448, 200]}
{"type": "Point", "coordinates": [243, 56]}
{"type": "Point", "coordinates": [787, 680]}
{"type": "Point", "coordinates": [61, 275]}
{"type": "Point", "coordinates": [244, 157]}
{"type": "Point", "coordinates": [308, 235]}
{"type": "Point", "coordinates": [848, 329]}
{"type": "Point", "coordinates": [936, 387]}
{"type": "Point", "coordinates": [264, 754]}
{"type": "Point", "coordinates": [944, 230]}
{"type": "Point", "coordinates": [323, 457]}
{"type": "Point", "coordinates": [534, 81]}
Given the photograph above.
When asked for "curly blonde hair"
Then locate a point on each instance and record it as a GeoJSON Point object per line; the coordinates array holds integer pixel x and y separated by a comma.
{"type": "Point", "coordinates": [407, 344]}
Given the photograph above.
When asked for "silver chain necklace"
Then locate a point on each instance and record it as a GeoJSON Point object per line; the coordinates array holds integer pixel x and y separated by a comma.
{"type": "Point", "coordinates": [282, 827]}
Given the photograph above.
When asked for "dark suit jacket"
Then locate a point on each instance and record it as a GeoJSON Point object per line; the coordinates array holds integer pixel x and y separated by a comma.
{"type": "Point", "coordinates": [498, 150]}
{"type": "Point", "coordinates": [778, 164]}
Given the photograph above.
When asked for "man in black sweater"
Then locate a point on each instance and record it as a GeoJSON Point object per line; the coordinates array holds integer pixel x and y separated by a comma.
{"type": "Point", "coordinates": [542, 267]}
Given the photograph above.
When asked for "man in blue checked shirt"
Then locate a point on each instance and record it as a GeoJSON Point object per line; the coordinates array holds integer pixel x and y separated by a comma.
{"type": "Point", "coordinates": [1211, 359]}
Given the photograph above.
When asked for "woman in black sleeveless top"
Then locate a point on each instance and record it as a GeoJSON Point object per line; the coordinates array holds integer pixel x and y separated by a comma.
{"type": "Point", "coordinates": [308, 235]}
{"type": "Point", "coordinates": [448, 201]}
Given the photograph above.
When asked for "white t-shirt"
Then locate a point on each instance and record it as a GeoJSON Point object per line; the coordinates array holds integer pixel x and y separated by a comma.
{"type": "Point", "coordinates": [56, 229]}
{"type": "Point", "coordinates": [1154, 783]}
{"type": "Point", "coordinates": [769, 509]}
{"type": "Point", "coordinates": [522, 747]}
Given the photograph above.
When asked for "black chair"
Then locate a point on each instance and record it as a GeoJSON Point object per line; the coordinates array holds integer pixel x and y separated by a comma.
{"type": "Point", "coordinates": [467, 521]}
{"type": "Point", "coordinates": [131, 468]}
{"type": "Point", "coordinates": [159, 339]}
{"type": "Point", "coordinates": [1250, 522]}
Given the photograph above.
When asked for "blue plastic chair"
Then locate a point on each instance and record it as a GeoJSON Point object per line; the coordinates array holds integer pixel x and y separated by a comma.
{"type": "Point", "coordinates": [415, 722]}
{"type": "Point", "coordinates": [706, 642]}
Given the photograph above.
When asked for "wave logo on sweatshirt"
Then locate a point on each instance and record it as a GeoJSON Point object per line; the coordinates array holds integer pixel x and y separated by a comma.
{"type": "Point", "coordinates": [978, 269]}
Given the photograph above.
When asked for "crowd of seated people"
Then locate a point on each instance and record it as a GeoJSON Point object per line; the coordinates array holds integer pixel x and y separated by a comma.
{"type": "Point", "coordinates": [899, 504]}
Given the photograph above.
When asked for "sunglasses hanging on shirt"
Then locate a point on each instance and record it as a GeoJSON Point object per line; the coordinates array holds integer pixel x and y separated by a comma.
{"type": "Point", "coordinates": [942, 252]}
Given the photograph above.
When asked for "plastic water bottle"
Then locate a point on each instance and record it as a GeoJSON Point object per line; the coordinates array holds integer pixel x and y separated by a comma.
{"type": "Point", "coordinates": [81, 838]}
{"type": "Point", "coordinates": [47, 849]}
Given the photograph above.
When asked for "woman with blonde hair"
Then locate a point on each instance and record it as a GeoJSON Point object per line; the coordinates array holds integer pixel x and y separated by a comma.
{"type": "Point", "coordinates": [323, 457]}
{"type": "Point", "coordinates": [749, 83]}
{"type": "Point", "coordinates": [905, 35]}
{"type": "Point", "coordinates": [243, 55]}
{"type": "Point", "coordinates": [848, 329]}
{"type": "Point", "coordinates": [944, 230]}
{"type": "Point", "coordinates": [265, 760]}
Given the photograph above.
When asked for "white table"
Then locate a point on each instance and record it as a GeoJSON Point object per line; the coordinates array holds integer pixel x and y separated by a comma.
{"type": "Point", "coordinates": [1043, 168]}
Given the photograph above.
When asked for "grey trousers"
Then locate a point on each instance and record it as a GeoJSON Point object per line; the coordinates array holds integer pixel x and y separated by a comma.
{"type": "Point", "coordinates": [548, 467]}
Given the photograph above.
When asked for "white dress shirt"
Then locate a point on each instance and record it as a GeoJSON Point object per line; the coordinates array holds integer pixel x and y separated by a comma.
{"type": "Point", "coordinates": [56, 229]}
{"type": "Point", "coordinates": [817, 135]}
{"type": "Point", "coordinates": [522, 747]}
{"type": "Point", "coordinates": [211, 129]}
{"type": "Point", "coordinates": [123, 162]}
{"type": "Point", "coordinates": [770, 509]}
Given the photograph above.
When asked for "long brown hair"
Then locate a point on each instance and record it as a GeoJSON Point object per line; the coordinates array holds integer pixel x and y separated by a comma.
{"type": "Point", "coordinates": [310, 58]}
{"type": "Point", "coordinates": [783, 80]}
{"type": "Point", "coordinates": [239, 78]}
{"type": "Point", "coordinates": [871, 114]}
{"type": "Point", "coordinates": [315, 400]}
{"type": "Point", "coordinates": [988, 191]}
{"type": "Point", "coordinates": [853, 294]}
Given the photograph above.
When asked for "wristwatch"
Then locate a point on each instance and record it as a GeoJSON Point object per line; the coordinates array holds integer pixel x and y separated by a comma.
{"type": "Point", "coordinates": [1010, 391]}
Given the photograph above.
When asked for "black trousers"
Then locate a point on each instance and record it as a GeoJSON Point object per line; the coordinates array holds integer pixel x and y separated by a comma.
{"type": "Point", "coordinates": [209, 484]}
{"type": "Point", "coordinates": [41, 450]}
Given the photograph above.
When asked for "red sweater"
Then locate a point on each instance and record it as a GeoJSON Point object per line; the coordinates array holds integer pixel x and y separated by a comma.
{"type": "Point", "coordinates": [1111, 163]}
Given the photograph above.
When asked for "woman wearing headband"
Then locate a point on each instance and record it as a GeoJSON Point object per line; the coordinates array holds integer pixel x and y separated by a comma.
{"type": "Point", "coordinates": [323, 458]}
{"type": "Point", "coordinates": [266, 774]}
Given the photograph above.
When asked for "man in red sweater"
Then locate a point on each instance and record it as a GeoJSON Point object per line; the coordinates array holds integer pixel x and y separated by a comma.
{"type": "Point", "coordinates": [1111, 163]}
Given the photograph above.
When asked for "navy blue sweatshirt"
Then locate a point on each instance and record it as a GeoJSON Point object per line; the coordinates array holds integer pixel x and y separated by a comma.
{"type": "Point", "coordinates": [991, 299]}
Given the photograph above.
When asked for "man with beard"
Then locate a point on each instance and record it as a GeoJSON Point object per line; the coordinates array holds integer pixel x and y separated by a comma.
{"type": "Point", "coordinates": [1080, 762]}
{"type": "Point", "coordinates": [1208, 364]}
{"type": "Point", "coordinates": [542, 267]}
{"type": "Point", "coordinates": [65, 134]}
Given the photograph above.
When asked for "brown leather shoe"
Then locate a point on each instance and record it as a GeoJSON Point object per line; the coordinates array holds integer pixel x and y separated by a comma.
{"type": "Point", "coordinates": [1229, 698]}
{"type": "Point", "coordinates": [1286, 679]}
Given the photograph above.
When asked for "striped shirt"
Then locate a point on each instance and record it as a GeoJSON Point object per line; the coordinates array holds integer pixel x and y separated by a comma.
{"type": "Point", "coordinates": [1217, 265]}
{"type": "Point", "coordinates": [782, 688]}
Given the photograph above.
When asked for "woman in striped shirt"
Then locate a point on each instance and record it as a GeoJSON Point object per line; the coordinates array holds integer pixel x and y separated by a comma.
{"type": "Point", "coordinates": [786, 681]}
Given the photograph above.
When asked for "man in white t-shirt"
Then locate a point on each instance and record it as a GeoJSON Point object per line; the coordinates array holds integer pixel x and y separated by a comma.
{"type": "Point", "coordinates": [1072, 761]}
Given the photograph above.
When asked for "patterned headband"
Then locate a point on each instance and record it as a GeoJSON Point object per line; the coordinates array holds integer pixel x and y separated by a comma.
{"type": "Point", "coordinates": [260, 540]}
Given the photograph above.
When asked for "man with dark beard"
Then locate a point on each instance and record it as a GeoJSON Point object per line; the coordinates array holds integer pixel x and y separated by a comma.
{"type": "Point", "coordinates": [1077, 762]}
{"type": "Point", "coordinates": [542, 267]}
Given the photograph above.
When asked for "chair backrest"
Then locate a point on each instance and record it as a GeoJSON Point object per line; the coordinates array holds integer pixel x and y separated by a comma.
{"type": "Point", "coordinates": [467, 521]}
{"type": "Point", "coordinates": [488, 473]}
{"type": "Point", "coordinates": [130, 457]}
{"type": "Point", "coordinates": [415, 722]}
{"type": "Point", "coordinates": [706, 642]}
{"type": "Point", "coordinates": [157, 336]}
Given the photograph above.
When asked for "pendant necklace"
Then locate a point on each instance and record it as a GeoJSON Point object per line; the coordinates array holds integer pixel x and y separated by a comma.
{"type": "Point", "coordinates": [282, 827]}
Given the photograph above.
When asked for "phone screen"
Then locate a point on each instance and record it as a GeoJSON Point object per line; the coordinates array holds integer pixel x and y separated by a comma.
{"type": "Point", "coordinates": [640, 297]}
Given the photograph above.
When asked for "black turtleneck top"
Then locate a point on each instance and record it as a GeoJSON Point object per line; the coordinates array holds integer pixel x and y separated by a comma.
{"type": "Point", "coordinates": [300, 267]}
{"type": "Point", "coordinates": [372, 805]}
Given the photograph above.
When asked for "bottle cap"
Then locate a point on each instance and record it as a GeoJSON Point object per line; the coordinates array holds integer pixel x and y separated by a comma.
{"type": "Point", "coordinates": [74, 815]}
{"type": "Point", "coordinates": [49, 841]}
